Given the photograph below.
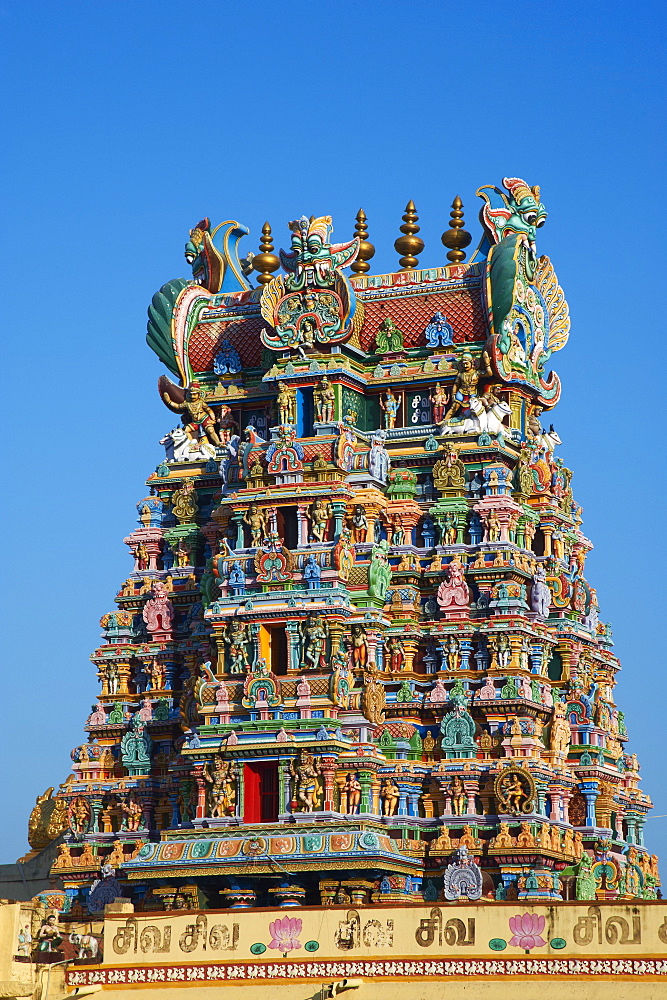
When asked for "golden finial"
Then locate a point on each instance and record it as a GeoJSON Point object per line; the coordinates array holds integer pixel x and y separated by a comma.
{"type": "Point", "coordinates": [265, 261]}
{"type": "Point", "coordinates": [456, 238]}
{"type": "Point", "coordinates": [409, 245]}
{"type": "Point", "coordinates": [366, 249]}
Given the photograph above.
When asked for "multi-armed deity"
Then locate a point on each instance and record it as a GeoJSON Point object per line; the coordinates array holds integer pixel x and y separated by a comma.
{"type": "Point", "coordinates": [357, 630]}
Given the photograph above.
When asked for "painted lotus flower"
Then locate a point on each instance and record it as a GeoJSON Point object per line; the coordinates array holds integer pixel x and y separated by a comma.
{"type": "Point", "coordinates": [527, 931]}
{"type": "Point", "coordinates": [285, 933]}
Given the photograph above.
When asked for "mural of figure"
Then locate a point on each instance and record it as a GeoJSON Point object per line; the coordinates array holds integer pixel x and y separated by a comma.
{"type": "Point", "coordinates": [390, 405]}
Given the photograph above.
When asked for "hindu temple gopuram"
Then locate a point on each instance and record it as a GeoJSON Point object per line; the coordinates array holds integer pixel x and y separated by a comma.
{"type": "Point", "coordinates": [354, 714]}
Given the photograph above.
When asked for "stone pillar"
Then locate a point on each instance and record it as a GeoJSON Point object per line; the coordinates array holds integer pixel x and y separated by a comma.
{"type": "Point", "coordinates": [590, 792]}
{"type": "Point", "coordinates": [547, 530]}
{"type": "Point", "coordinates": [365, 780]}
{"type": "Point", "coordinates": [284, 790]}
{"type": "Point", "coordinates": [124, 672]}
{"type": "Point", "coordinates": [404, 791]}
{"type": "Point", "coordinates": [338, 507]}
{"type": "Point", "coordinates": [328, 769]}
{"type": "Point", "coordinates": [237, 522]}
{"type": "Point", "coordinates": [302, 522]}
{"type": "Point", "coordinates": [465, 652]}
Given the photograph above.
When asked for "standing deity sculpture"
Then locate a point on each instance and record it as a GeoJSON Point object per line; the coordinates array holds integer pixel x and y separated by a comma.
{"type": "Point", "coordinates": [221, 796]}
{"type": "Point", "coordinates": [379, 461]}
{"type": "Point", "coordinates": [314, 640]}
{"type": "Point", "coordinates": [390, 405]}
{"type": "Point", "coordinates": [390, 796]}
{"type": "Point", "coordinates": [350, 795]}
{"type": "Point", "coordinates": [561, 736]}
{"type": "Point", "coordinates": [373, 698]}
{"type": "Point", "coordinates": [198, 417]}
{"type": "Point", "coordinates": [457, 794]}
{"type": "Point", "coordinates": [396, 654]}
{"type": "Point", "coordinates": [305, 771]}
{"type": "Point", "coordinates": [438, 400]}
{"type": "Point", "coordinates": [379, 573]}
{"type": "Point", "coordinates": [286, 402]}
{"type": "Point", "coordinates": [343, 554]}
{"type": "Point", "coordinates": [324, 399]}
{"type": "Point", "coordinates": [319, 514]}
{"type": "Point", "coordinates": [540, 597]}
{"type": "Point", "coordinates": [256, 521]}
{"type": "Point", "coordinates": [236, 637]}
{"type": "Point", "coordinates": [359, 523]}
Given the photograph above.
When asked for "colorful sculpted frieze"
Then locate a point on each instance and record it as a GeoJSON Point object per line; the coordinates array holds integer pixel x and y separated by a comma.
{"type": "Point", "coordinates": [357, 632]}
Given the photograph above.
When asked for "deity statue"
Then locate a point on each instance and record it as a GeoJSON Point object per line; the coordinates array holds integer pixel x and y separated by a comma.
{"type": "Point", "coordinates": [390, 405]}
{"type": "Point", "coordinates": [359, 523]}
{"type": "Point", "coordinates": [449, 529]}
{"type": "Point", "coordinates": [222, 792]}
{"type": "Point", "coordinates": [515, 791]}
{"type": "Point", "coordinates": [359, 646]}
{"type": "Point", "coordinates": [48, 937]}
{"type": "Point", "coordinates": [561, 736]}
{"type": "Point", "coordinates": [314, 636]}
{"type": "Point", "coordinates": [319, 514]}
{"type": "Point", "coordinates": [344, 554]}
{"type": "Point", "coordinates": [540, 597]}
{"type": "Point", "coordinates": [256, 521]}
{"type": "Point", "coordinates": [466, 384]}
{"type": "Point", "coordinates": [454, 591]}
{"type": "Point", "coordinates": [135, 747]}
{"type": "Point", "coordinates": [324, 399]}
{"type": "Point", "coordinates": [350, 796]}
{"type": "Point", "coordinates": [198, 417]}
{"type": "Point", "coordinates": [438, 400]}
{"type": "Point", "coordinates": [390, 796]}
{"type": "Point", "coordinates": [158, 612]}
{"type": "Point", "coordinates": [236, 637]}
{"type": "Point", "coordinates": [142, 557]}
{"type": "Point", "coordinates": [379, 573]}
{"type": "Point", "coordinates": [286, 402]}
{"type": "Point", "coordinates": [373, 698]}
{"type": "Point", "coordinates": [378, 457]}
{"type": "Point", "coordinates": [396, 654]}
{"type": "Point", "coordinates": [133, 813]}
{"type": "Point", "coordinates": [312, 572]}
{"type": "Point", "coordinates": [183, 550]}
{"type": "Point", "coordinates": [458, 796]}
{"type": "Point", "coordinates": [305, 771]}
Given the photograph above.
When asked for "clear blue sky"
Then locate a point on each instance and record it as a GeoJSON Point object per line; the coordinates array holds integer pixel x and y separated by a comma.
{"type": "Point", "coordinates": [126, 122]}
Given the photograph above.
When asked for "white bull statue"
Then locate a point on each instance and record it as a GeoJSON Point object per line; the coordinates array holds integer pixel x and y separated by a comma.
{"type": "Point", "coordinates": [180, 448]}
{"type": "Point", "coordinates": [489, 421]}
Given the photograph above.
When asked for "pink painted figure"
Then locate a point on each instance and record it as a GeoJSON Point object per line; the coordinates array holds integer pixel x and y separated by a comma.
{"type": "Point", "coordinates": [438, 692]}
{"type": "Point", "coordinates": [525, 689]}
{"type": "Point", "coordinates": [454, 591]}
{"type": "Point", "coordinates": [145, 713]}
{"type": "Point", "coordinates": [222, 698]}
{"type": "Point", "coordinates": [98, 716]}
{"type": "Point", "coordinates": [487, 692]}
{"type": "Point", "coordinates": [158, 610]}
{"type": "Point", "coordinates": [547, 696]}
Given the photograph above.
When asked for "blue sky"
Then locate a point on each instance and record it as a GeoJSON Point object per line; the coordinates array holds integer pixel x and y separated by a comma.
{"type": "Point", "coordinates": [125, 123]}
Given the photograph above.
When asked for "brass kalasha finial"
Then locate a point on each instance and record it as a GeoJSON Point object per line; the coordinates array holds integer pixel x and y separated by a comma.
{"type": "Point", "coordinates": [410, 244]}
{"type": "Point", "coordinates": [366, 249]}
{"type": "Point", "coordinates": [265, 261]}
{"type": "Point", "coordinates": [457, 237]}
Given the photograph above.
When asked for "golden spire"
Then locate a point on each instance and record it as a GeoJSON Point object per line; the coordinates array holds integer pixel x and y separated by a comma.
{"type": "Point", "coordinates": [366, 249]}
{"type": "Point", "coordinates": [265, 261]}
{"type": "Point", "coordinates": [456, 238]}
{"type": "Point", "coordinates": [409, 245]}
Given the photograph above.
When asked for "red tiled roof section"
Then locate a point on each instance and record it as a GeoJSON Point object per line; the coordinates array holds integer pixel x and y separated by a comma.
{"type": "Point", "coordinates": [412, 313]}
{"type": "Point", "coordinates": [243, 334]}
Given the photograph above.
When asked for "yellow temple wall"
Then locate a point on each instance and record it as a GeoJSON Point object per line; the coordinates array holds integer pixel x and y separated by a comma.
{"type": "Point", "coordinates": [573, 950]}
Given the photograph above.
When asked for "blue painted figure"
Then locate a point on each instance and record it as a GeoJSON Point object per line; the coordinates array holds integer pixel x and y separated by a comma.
{"type": "Point", "coordinates": [439, 332]}
{"type": "Point", "coordinates": [312, 572]}
{"type": "Point", "coordinates": [237, 579]}
{"type": "Point", "coordinates": [227, 360]}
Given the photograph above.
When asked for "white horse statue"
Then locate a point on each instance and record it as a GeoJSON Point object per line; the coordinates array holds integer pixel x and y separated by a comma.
{"type": "Point", "coordinates": [180, 448]}
{"type": "Point", "coordinates": [490, 420]}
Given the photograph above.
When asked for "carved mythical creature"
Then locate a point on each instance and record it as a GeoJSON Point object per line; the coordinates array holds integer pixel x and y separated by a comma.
{"type": "Point", "coordinates": [313, 261]}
